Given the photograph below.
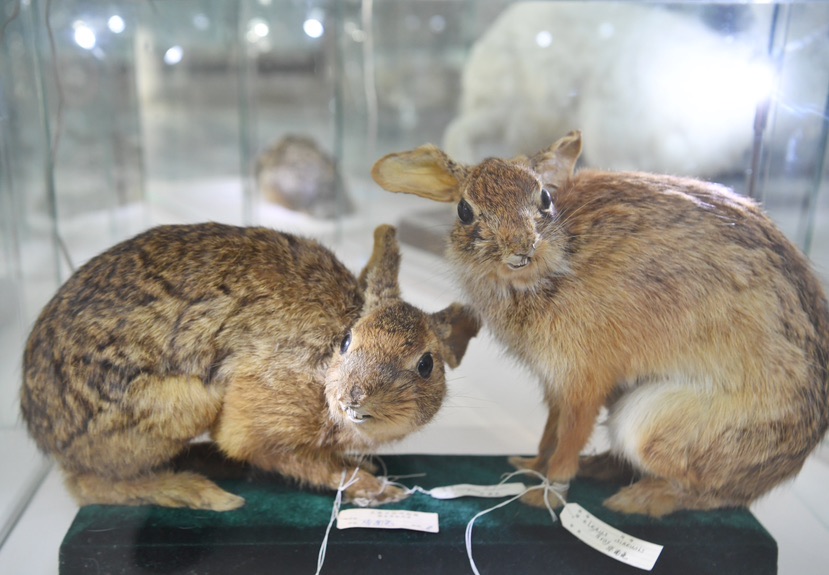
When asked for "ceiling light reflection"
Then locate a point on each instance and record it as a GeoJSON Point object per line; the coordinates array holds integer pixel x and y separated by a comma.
{"type": "Point", "coordinates": [116, 24]}
{"type": "Point", "coordinates": [313, 28]}
{"type": "Point", "coordinates": [84, 35]}
{"type": "Point", "coordinates": [173, 55]}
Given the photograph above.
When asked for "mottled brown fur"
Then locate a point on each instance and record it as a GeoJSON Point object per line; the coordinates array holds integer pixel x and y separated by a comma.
{"type": "Point", "coordinates": [675, 302]}
{"type": "Point", "coordinates": [237, 332]}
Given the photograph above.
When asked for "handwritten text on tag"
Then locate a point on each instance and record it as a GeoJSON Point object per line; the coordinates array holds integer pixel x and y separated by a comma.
{"type": "Point", "coordinates": [610, 541]}
{"type": "Point", "coordinates": [388, 519]}
{"type": "Point", "coordinates": [467, 490]}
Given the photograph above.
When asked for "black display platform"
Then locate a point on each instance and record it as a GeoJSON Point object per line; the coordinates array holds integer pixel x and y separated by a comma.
{"type": "Point", "coordinates": [280, 529]}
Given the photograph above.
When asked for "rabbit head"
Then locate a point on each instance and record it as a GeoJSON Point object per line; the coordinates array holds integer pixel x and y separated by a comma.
{"type": "Point", "coordinates": [507, 229]}
{"type": "Point", "coordinates": [387, 377]}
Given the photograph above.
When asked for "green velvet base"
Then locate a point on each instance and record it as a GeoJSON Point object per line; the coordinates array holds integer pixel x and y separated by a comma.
{"type": "Point", "coordinates": [280, 529]}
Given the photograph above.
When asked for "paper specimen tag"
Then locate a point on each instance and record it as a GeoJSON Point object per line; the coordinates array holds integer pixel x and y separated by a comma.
{"type": "Point", "coordinates": [388, 519]}
{"type": "Point", "coordinates": [468, 490]}
{"type": "Point", "coordinates": [610, 541]}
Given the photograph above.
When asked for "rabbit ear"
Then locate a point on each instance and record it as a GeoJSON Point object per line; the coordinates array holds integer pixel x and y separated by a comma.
{"type": "Point", "coordinates": [378, 280]}
{"type": "Point", "coordinates": [425, 171]}
{"type": "Point", "coordinates": [455, 326]}
{"type": "Point", "coordinates": [556, 164]}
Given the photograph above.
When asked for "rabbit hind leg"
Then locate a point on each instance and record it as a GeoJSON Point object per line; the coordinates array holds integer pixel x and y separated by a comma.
{"type": "Point", "coordinates": [131, 470]}
{"type": "Point", "coordinates": [606, 467]}
{"type": "Point", "coordinates": [164, 488]}
{"type": "Point", "coordinates": [731, 467]}
{"type": "Point", "coordinates": [697, 449]}
{"type": "Point", "coordinates": [656, 496]}
{"type": "Point", "coordinates": [120, 458]}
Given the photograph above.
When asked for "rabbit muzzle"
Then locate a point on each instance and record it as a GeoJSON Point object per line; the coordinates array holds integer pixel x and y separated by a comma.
{"type": "Point", "coordinates": [352, 404]}
{"type": "Point", "coordinates": [518, 261]}
{"type": "Point", "coordinates": [522, 256]}
{"type": "Point", "coordinates": [355, 413]}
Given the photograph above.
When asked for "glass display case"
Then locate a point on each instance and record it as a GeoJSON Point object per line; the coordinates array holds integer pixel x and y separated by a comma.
{"type": "Point", "coordinates": [116, 116]}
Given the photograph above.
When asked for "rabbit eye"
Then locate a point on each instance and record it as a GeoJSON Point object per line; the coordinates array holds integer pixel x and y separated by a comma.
{"type": "Point", "coordinates": [346, 343]}
{"type": "Point", "coordinates": [465, 212]}
{"type": "Point", "coordinates": [425, 365]}
{"type": "Point", "coordinates": [546, 199]}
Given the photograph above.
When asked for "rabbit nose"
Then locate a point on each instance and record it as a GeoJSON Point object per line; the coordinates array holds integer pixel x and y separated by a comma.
{"type": "Point", "coordinates": [520, 238]}
{"type": "Point", "coordinates": [357, 395]}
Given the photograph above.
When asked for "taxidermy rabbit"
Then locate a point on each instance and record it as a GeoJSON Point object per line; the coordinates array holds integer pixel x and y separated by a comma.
{"type": "Point", "coordinates": [542, 66]}
{"type": "Point", "coordinates": [674, 302]}
{"type": "Point", "coordinates": [298, 174]}
{"type": "Point", "coordinates": [262, 338]}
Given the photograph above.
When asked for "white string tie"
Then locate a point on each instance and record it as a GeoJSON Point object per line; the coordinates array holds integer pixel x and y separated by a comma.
{"type": "Point", "coordinates": [335, 510]}
{"type": "Point", "coordinates": [556, 488]}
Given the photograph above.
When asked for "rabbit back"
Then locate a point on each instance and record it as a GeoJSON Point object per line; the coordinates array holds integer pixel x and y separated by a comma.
{"type": "Point", "coordinates": [166, 311]}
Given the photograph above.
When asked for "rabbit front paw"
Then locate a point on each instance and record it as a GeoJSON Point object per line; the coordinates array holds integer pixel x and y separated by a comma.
{"type": "Point", "coordinates": [537, 498]}
{"type": "Point", "coordinates": [521, 463]}
{"type": "Point", "coordinates": [371, 491]}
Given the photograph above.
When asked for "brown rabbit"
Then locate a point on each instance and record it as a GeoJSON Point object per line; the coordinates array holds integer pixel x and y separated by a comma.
{"type": "Point", "coordinates": [261, 338]}
{"type": "Point", "coordinates": [675, 302]}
